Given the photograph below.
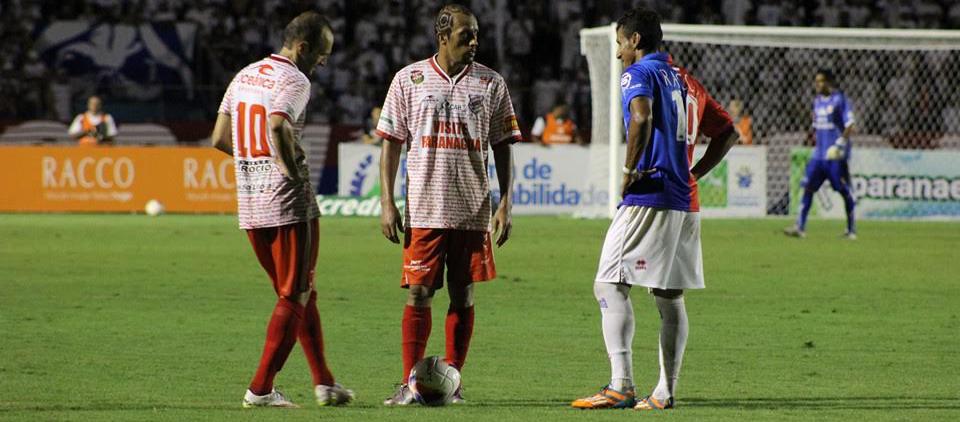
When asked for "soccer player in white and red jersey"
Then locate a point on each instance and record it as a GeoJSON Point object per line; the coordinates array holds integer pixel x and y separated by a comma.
{"type": "Point", "coordinates": [446, 111]}
{"type": "Point", "coordinates": [260, 124]}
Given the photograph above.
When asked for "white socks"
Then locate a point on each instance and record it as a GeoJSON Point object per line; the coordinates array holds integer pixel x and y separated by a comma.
{"type": "Point", "coordinates": [617, 321]}
{"type": "Point", "coordinates": [673, 339]}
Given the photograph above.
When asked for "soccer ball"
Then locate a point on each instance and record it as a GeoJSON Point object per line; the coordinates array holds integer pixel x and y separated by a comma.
{"type": "Point", "coordinates": [153, 208]}
{"type": "Point", "coordinates": [433, 381]}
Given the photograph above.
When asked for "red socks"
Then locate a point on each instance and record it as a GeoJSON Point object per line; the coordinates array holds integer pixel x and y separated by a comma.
{"type": "Point", "coordinates": [281, 336]}
{"type": "Point", "coordinates": [459, 331]}
{"type": "Point", "coordinates": [311, 339]}
{"type": "Point", "coordinates": [415, 332]}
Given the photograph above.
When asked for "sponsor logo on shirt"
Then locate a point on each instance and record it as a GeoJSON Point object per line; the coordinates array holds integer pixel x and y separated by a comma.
{"type": "Point", "coordinates": [511, 123]}
{"type": "Point", "coordinates": [266, 70]}
{"type": "Point", "coordinates": [450, 135]}
{"type": "Point", "coordinates": [257, 81]}
{"type": "Point", "coordinates": [387, 120]}
{"type": "Point", "coordinates": [625, 80]}
{"type": "Point", "coordinates": [641, 265]}
{"type": "Point", "coordinates": [443, 103]}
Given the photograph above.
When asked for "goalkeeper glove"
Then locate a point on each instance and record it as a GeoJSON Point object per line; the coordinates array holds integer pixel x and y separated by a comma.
{"type": "Point", "coordinates": [837, 150]}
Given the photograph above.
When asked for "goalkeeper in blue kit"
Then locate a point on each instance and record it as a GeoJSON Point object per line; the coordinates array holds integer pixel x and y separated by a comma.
{"type": "Point", "coordinates": [832, 123]}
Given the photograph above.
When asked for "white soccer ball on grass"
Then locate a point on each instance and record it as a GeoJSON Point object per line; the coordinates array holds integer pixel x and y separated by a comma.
{"type": "Point", "coordinates": [153, 208]}
{"type": "Point", "coordinates": [433, 381]}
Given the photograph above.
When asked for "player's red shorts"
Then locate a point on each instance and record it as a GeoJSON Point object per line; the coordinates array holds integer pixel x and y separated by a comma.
{"type": "Point", "coordinates": [466, 254]}
{"type": "Point", "coordinates": [288, 254]}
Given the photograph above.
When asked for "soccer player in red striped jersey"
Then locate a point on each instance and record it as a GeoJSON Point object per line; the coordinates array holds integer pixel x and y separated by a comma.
{"type": "Point", "coordinates": [447, 111]}
{"type": "Point", "coordinates": [260, 123]}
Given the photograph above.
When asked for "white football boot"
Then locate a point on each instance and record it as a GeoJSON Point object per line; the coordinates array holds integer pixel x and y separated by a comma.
{"type": "Point", "coordinates": [333, 395]}
{"type": "Point", "coordinates": [274, 399]}
{"type": "Point", "coordinates": [403, 396]}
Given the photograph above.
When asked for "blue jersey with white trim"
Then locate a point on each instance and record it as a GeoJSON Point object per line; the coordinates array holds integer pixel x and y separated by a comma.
{"type": "Point", "coordinates": [831, 115]}
{"type": "Point", "coordinates": [665, 156]}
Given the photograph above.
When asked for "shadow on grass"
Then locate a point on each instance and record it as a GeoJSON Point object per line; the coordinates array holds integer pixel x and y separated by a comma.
{"type": "Point", "coordinates": [819, 403]}
{"type": "Point", "coordinates": [759, 403]}
{"type": "Point", "coordinates": [97, 407]}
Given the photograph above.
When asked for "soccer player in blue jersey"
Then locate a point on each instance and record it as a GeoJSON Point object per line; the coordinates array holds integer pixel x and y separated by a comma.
{"type": "Point", "coordinates": [654, 239]}
{"type": "Point", "coordinates": [832, 124]}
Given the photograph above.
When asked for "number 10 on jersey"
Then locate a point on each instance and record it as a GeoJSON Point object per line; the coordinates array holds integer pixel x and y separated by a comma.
{"type": "Point", "coordinates": [252, 131]}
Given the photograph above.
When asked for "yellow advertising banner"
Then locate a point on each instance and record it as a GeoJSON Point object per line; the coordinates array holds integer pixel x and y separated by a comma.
{"type": "Point", "coordinates": [117, 179]}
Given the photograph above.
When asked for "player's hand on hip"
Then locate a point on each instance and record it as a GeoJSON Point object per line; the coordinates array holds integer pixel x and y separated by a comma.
{"type": "Point", "coordinates": [391, 223]}
{"type": "Point", "coordinates": [628, 179]}
{"type": "Point", "coordinates": [502, 224]}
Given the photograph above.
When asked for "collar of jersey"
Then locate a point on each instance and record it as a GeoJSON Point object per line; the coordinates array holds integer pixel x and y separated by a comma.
{"type": "Point", "coordinates": [282, 59]}
{"type": "Point", "coordinates": [659, 55]}
{"type": "Point", "coordinates": [436, 67]}
{"type": "Point", "coordinates": [828, 96]}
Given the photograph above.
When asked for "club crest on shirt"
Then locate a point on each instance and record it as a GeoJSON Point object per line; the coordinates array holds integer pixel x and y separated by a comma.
{"type": "Point", "coordinates": [476, 103]}
{"type": "Point", "coordinates": [416, 77]}
{"type": "Point", "coordinates": [486, 80]}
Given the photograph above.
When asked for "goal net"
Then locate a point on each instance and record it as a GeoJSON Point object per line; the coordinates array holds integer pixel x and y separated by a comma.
{"type": "Point", "coordinates": [902, 84]}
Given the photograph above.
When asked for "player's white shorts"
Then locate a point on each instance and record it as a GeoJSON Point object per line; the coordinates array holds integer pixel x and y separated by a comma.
{"type": "Point", "coordinates": [655, 248]}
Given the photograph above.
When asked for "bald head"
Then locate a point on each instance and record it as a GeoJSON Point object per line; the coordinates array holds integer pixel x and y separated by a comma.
{"type": "Point", "coordinates": [309, 27]}
{"type": "Point", "coordinates": [308, 41]}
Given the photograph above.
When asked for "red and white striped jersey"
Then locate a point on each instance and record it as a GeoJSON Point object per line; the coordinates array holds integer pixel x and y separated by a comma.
{"type": "Point", "coordinates": [448, 125]}
{"type": "Point", "coordinates": [265, 197]}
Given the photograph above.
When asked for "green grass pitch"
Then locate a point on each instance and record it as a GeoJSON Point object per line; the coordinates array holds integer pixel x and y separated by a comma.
{"type": "Point", "coordinates": [127, 317]}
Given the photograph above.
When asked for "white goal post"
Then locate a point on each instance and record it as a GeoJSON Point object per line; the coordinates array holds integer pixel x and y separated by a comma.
{"type": "Point", "coordinates": [771, 70]}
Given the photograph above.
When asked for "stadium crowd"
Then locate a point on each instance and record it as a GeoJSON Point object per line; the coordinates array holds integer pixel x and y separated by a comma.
{"type": "Point", "coordinates": [533, 44]}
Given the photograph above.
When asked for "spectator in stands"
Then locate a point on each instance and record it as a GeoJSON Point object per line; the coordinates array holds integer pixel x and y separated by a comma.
{"type": "Point", "coordinates": [369, 137]}
{"type": "Point", "coordinates": [94, 126]}
{"type": "Point", "coordinates": [556, 127]}
{"type": "Point", "coordinates": [742, 121]}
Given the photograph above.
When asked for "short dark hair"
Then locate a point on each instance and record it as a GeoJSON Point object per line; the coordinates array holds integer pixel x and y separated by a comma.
{"type": "Point", "coordinates": [827, 74]}
{"type": "Point", "coordinates": [646, 22]}
{"type": "Point", "coordinates": [307, 26]}
{"type": "Point", "coordinates": [443, 23]}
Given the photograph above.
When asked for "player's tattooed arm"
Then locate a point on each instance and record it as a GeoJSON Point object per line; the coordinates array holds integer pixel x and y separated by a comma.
{"type": "Point", "coordinates": [503, 219]}
{"type": "Point", "coordinates": [221, 137]}
{"type": "Point", "coordinates": [715, 152]}
{"type": "Point", "coordinates": [391, 223]}
{"type": "Point", "coordinates": [284, 143]}
{"type": "Point", "coordinates": [639, 130]}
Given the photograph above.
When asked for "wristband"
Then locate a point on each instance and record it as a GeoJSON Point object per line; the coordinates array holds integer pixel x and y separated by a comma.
{"type": "Point", "coordinates": [629, 171]}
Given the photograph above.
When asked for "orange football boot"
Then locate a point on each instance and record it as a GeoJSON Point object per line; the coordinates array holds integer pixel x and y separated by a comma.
{"type": "Point", "coordinates": [607, 398]}
{"type": "Point", "coordinates": [650, 403]}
